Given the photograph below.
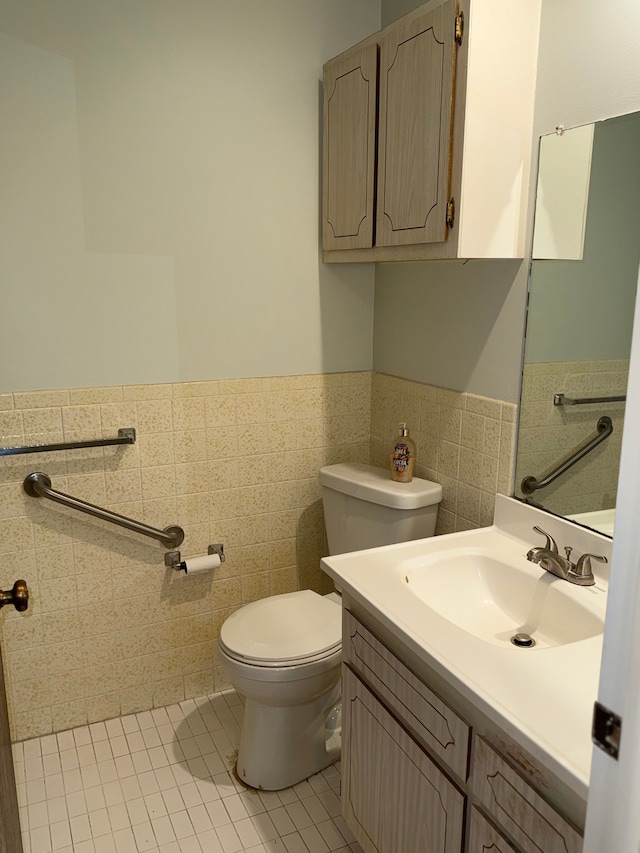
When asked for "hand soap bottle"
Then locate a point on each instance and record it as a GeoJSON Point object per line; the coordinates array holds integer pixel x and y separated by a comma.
{"type": "Point", "coordinates": [403, 459]}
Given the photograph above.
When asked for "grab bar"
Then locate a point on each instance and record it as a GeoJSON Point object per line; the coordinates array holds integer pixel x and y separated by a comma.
{"type": "Point", "coordinates": [126, 435]}
{"type": "Point", "coordinates": [38, 485]}
{"type": "Point", "coordinates": [563, 400]}
{"type": "Point", "coordinates": [604, 426]}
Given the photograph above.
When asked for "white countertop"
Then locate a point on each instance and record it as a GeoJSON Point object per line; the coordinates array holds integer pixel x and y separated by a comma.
{"type": "Point", "coordinates": [541, 697]}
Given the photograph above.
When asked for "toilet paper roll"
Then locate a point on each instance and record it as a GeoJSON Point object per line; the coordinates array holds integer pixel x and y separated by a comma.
{"type": "Point", "coordinates": [197, 565]}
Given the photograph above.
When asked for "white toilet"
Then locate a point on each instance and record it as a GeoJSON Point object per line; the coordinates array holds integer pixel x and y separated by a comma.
{"type": "Point", "coordinates": [283, 653]}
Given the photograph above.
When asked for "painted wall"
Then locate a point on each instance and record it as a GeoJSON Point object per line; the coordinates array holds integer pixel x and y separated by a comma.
{"type": "Point", "coordinates": [452, 323]}
{"type": "Point", "coordinates": [159, 173]}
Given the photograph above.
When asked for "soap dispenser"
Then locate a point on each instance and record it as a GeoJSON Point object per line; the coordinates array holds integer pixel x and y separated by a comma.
{"type": "Point", "coordinates": [403, 459]}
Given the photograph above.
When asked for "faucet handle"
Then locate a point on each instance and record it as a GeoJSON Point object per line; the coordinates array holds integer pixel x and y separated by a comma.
{"type": "Point", "coordinates": [583, 566]}
{"type": "Point", "coordinates": [550, 544]}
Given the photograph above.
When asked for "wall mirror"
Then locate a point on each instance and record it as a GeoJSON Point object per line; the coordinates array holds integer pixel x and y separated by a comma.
{"type": "Point", "coordinates": [582, 290]}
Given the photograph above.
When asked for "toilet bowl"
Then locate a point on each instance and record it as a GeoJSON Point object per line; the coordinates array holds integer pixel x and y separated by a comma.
{"type": "Point", "coordinates": [283, 653]}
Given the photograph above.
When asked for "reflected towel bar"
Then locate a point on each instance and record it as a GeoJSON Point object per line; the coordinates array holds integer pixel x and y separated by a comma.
{"type": "Point", "coordinates": [126, 435]}
{"type": "Point", "coordinates": [604, 426]}
{"type": "Point", "coordinates": [38, 485]}
{"type": "Point", "coordinates": [563, 400]}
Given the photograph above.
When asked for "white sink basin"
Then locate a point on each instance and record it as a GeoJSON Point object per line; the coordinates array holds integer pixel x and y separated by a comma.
{"type": "Point", "coordinates": [494, 600]}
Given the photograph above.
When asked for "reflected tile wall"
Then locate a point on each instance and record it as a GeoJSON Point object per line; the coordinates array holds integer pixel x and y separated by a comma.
{"type": "Point", "coordinates": [549, 433]}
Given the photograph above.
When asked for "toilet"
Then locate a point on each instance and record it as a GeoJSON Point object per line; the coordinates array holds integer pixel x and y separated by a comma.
{"type": "Point", "coordinates": [283, 653]}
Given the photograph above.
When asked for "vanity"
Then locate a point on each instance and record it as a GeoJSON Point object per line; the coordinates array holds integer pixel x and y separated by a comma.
{"type": "Point", "coordinates": [454, 737]}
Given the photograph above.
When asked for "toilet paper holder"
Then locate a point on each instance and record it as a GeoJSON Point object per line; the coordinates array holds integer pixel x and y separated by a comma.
{"type": "Point", "coordinates": [173, 559]}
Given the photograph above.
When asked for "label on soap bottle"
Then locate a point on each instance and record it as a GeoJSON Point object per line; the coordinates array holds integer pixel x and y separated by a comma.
{"type": "Point", "coordinates": [400, 460]}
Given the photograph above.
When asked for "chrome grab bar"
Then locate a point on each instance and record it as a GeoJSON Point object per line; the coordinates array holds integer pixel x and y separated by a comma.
{"type": "Point", "coordinates": [563, 400]}
{"type": "Point", "coordinates": [126, 435]}
{"type": "Point", "coordinates": [38, 485]}
{"type": "Point", "coordinates": [604, 426]}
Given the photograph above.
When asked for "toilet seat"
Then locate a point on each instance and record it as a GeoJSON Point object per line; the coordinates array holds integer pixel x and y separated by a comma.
{"type": "Point", "coordinates": [292, 629]}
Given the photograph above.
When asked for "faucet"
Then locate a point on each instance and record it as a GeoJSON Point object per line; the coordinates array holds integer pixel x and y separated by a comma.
{"type": "Point", "coordinates": [548, 558]}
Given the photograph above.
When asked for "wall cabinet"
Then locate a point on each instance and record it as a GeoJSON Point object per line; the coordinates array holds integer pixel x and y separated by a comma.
{"type": "Point", "coordinates": [416, 777]}
{"type": "Point", "coordinates": [428, 134]}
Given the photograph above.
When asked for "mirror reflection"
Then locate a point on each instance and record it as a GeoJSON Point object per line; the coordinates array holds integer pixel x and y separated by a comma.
{"type": "Point", "coordinates": [582, 293]}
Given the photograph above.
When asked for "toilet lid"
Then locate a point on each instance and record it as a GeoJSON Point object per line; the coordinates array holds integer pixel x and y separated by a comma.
{"type": "Point", "coordinates": [284, 628]}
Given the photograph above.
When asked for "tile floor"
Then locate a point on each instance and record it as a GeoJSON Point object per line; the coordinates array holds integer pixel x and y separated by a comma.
{"type": "Point", "coordinates": [159, 782]}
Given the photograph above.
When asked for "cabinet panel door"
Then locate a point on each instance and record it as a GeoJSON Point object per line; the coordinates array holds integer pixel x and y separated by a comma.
{"type": "Point", "coordinates": [394, 798]}
{"type": "Point", "coordinates": [416, 107]}
{"type": "Point", "coordinates": [529, 820]}
{"type": "Point", "coordinates": [484, 838]}
{"type": "Point", "coordinates": [350, 85]}
{"type": "Point", "coordinates": [431, 720]}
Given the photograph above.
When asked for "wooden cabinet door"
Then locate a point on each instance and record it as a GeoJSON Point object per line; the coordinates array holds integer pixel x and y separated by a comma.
{"type": "Point", "coordinates": [486, 838]}
{"type": "Point", "coordinates": [394, 798]}
{"type": "Point", "coordinates": [350, 85]}
{"type": "Point", "coordinates": [532, 823]}
{"type": "Point", "coordinates": [417, 76]}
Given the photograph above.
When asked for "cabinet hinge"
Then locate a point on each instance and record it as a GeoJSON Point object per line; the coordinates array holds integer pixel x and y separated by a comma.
{"type": "Point", "coordinates": [605, 732]}
{"type": "Point", "coordinates": [451, 212]}
{"type": "Point", "coordinates": [459, 28]}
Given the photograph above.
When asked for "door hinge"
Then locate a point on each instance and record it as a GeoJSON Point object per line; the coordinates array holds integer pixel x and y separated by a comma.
{"type": "Point", "coordinates": [451, 212]}
{"type": "Point", "coordinates": [605, 732]}
{"type": "Point", "coordinates": [459, 29]}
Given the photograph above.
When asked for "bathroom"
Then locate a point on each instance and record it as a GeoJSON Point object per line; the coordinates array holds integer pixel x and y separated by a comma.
{"type": "Point", "coordinates": [183, 339]}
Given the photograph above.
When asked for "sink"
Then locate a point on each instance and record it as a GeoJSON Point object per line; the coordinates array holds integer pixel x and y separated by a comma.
{"type": "Point", "coordinates": [495, 599]}
{"type": "Point", "coordinates": [454, 602]}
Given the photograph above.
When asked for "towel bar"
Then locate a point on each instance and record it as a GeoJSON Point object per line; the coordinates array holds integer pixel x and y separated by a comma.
{"type": "Point", "coordinates": [126, 435]}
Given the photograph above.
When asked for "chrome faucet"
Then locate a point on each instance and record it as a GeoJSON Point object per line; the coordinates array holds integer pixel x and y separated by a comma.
{"type": "Point", "coordinates": [548, 558]}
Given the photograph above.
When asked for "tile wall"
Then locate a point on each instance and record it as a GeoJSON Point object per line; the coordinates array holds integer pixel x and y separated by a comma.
{"type": "Point", "coordinates": [549, 433]}
{"type": "Point", "coordinates": [109, 630]}
{"type": "Point", "coordinates": [465, 442]}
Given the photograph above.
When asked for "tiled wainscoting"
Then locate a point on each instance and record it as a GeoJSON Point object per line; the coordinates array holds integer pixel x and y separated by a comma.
{"type": "Point", "coordinates": [465, 443]}
{"type": "Point", "coordinates": [109, 630]}
{"type": "Point", "coordinates": [161, 782]}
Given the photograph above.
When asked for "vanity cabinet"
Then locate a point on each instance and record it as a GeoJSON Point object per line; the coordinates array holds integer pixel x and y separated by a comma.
{"type": "Point", "coordinates": [417, 777]}
{"type": "Point", "coordinates": [428, 134]}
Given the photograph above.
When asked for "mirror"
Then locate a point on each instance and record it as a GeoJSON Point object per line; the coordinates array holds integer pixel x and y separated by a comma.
{"type": "Point", "coordinates": [582, 292]}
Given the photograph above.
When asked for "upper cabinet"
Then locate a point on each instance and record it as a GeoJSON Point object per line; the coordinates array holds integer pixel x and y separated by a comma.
{"type": "Point", "coordinates": [428, 135]}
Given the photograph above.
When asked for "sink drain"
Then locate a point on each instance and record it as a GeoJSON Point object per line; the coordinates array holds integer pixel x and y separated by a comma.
{"type": "Point", "coordinates": [523, 640]}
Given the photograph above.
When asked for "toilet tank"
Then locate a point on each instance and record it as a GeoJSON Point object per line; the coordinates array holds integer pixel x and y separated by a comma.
{"type": "Point", "coordinates": [365, 508]}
